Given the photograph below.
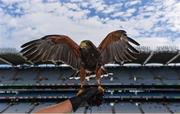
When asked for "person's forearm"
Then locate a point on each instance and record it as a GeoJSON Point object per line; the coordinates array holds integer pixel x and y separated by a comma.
{"type": "Point", "coordinates": [63, 107]}
{"type": "Point", "coordinates": [91, 96]}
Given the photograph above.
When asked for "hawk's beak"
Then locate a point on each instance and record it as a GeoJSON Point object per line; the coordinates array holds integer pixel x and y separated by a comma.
{"type": "Point", "coordinates": [83, 44]}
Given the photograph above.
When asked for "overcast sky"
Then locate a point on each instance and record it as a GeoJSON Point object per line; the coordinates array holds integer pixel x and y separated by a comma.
{"type": "Point", "coordinates": [151, 22]}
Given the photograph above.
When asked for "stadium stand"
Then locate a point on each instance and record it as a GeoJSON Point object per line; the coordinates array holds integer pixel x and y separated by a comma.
{"type": "Point", "coordinates": [149, 84]}
{"type": "Point", "coordinates": [19, 108]}
{"type": "Point", "coordinates": [126, 108]}
{"type": "Point", "coordinates": [174, 107]}
{"type": "Point", "coordinates": [119, 76]}
{"type": "Point", "coordinates": [4, 106]}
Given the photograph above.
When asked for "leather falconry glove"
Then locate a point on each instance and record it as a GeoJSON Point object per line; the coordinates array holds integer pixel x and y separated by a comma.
{"type": "Point", "coordinates": [91, 96]}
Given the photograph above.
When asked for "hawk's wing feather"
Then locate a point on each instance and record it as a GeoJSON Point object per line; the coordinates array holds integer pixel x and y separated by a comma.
{"type": "Point", "coordinates": [57, 48]}
{"type": "Point", "coordinates": [116, 47]}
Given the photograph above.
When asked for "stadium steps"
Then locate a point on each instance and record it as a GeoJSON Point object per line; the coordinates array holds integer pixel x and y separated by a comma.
{"type": "Point", "coordinates": [140, 108]}
{"type": "Point", "coordinates": [168, 108]}
{"type": "Point", "coordinates": [6, 108]}
{"type": "Point", "coordinates": [31, 109]}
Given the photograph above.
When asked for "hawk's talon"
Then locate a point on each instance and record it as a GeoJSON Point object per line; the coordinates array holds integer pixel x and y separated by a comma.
{"type": "Point", "coordinates": [80, 91]}
{"type": "Point", "coordinates": [101, 89]}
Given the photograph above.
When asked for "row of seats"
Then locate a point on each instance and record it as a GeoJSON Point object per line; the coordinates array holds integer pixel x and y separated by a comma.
{"type": "Point", "coordinates": [122, 76]}
{"type": "Point", "coordinates": [122, 107]}
{"type": "Point", "coordinates": [57, 94]}
{"type": "Point", "coordinates": [21, 107]}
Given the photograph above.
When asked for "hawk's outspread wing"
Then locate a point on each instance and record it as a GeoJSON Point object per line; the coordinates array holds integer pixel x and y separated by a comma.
{"type": "Point", "coordinates": [57, 48]}
{"type": "Point", "coordinates": [116, 47]}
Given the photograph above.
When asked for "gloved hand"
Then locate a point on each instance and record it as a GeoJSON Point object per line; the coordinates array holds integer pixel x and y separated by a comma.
{"type": "Point", "coordinates": [96, 99]}
{"type": "Point", "coordinates": [92, 96]}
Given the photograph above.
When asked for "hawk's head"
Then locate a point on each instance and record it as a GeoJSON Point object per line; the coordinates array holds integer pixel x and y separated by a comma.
{"type": "Point", "coordinates": [86, 44]}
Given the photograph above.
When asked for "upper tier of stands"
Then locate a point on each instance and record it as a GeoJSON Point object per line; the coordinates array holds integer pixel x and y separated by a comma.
{"type": "Point", "coordinates": [163, 55]}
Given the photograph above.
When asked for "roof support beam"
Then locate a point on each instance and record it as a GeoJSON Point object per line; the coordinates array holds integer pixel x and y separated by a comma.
{"type": "Point", "coordinates": [1, 59]}
{"type": "Point", "coordinates": [173, 58]}
{"type": "Point", "coordinates": [149, 57]}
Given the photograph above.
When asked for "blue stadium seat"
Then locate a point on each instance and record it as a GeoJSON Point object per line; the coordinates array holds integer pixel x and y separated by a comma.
{"type": "Point", "coordinates": [154, 108]}
{"type": "Point", "coordinates": [169, 77]}
{"type": "Point", "coordinates": [3, 107]}
{"type": "Point", "coordinates": [80, 110]}
{"type": "Point", "coordinates": [104, 108]}
{"type": "Point", "coordinates": [147, 77]}
{"type": "Point", "coordinates": [6, 76]}
{"type": "Point", "coordinates": [124, 107]}
{"type": "Point", "coordinates": [19, 108]}
{"type": "Point", "coordinates": [174, 107]}
{"type": "Point", "coordinates": [28, 76]}
{"type": "Point", "coordinates": [50, 76]}
{"type": "Point", "coordinates": [121, 77]}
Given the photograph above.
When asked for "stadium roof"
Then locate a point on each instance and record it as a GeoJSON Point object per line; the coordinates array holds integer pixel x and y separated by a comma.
{"type": "Point", "coordinates": [162, 55]}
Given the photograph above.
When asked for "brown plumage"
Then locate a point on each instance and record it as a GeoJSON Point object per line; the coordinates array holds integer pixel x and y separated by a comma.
{"type": "Point", "coordinates": [86, 57]}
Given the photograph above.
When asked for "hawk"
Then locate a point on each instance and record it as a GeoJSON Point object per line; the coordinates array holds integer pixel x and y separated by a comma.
{"type": "Point", "coordinates": [84, 58]}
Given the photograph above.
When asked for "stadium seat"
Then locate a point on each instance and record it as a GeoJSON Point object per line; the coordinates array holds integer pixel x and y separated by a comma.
{"type": "Point", "coordinates": [174, 107]}
{"type": "Point", "coordinates": [153, 108]}
{"type": "Point", "coordinates": [104, 108]}
{"type": "Point", "coordinates": [19, 108]}
{"type": "Point", "coordinates": [80, 110]}
{"type": "Point", "coordinates": [169, 77]}
{"type": "Point", "coordinates": [28, 77]}
{"type": "Point", "coordinates": [125, 107]}
{"type": "Point", "coordinates": [3, 107]}
{"type": "Point", "coordinates": [6, 76]}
